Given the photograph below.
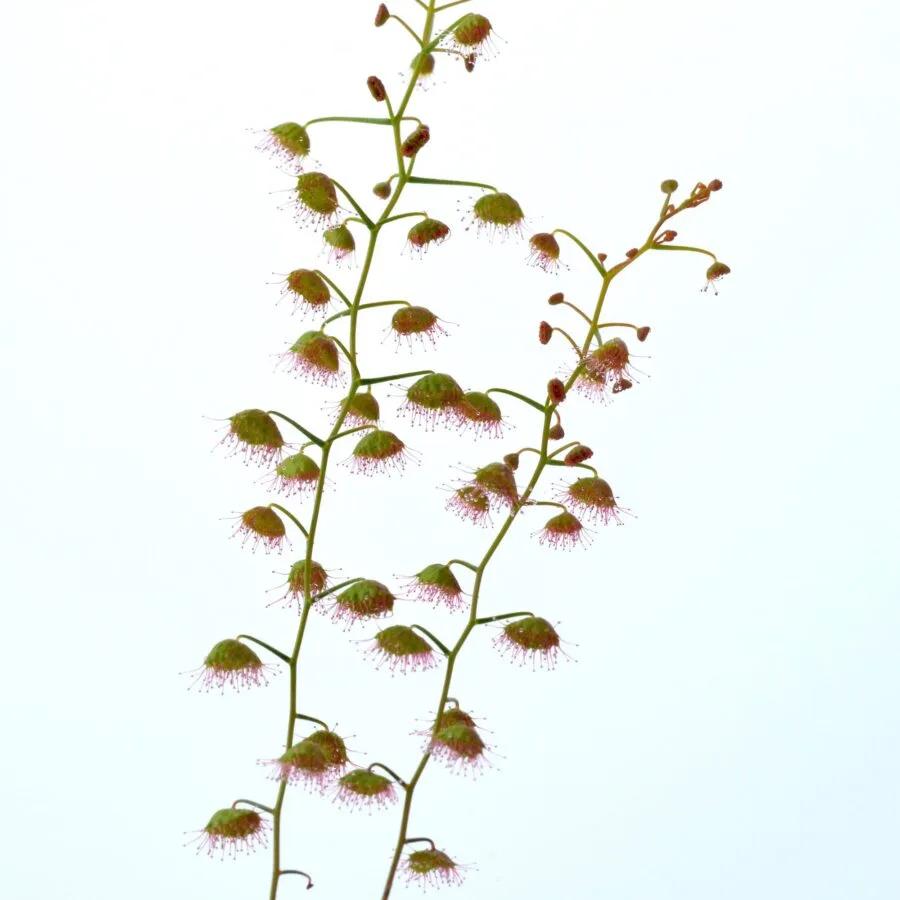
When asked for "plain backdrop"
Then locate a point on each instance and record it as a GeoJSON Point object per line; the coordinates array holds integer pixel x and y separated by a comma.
{"type": "Point", "coordinates": [727, 723]}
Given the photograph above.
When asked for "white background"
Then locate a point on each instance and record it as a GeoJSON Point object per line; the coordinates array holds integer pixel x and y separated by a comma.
{"type": "Point", "coordinates": [728, 727]}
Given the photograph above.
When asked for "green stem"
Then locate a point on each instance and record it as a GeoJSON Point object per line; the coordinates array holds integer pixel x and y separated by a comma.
{"type": "Point", "coordinates": [363, 120]}
{"type": "Point", "coordinates": [353, 370]}
{"type": "Point", "coordinates": [462, 562]}
{"type": "Point", "coordinates": [403, 216]}
{"type": "Point", "coordinates": [340, 293]}
{"type": "Point", "coordinates": [538, 406]}
{"type": "Point", "coordinates": [415, 179]}
{"type": "Point", "coordinates": [316, 721]}
{"type": "Point", "coordinates": [249, 637]}
{"type": "Point", "coordinates": [337, 587]}
{"type": "Point", "coordinates": [428, 634]}
{"type": "Point", "coordinates": [261, 806]}
{"type": "Point", "coordinates": [309, 881]}
{"type": "Point", "coordinates": [595, 262]}
{"type": "Point", "coordinates": [583, 315]}
{"type": "Point", "coordinates": [366, 220]}
{"type": "Point", "coordinates": [390, 772]}
{"type": "Point", "coordinates": [416, 38]}
{"type": "Point", "coordinates": [353, 431]}
{"type": "Point", "coordinates": [317, 441]}
{"type": "Point", "coordinates": [681, 247]}
{"type": "Point", "coordinates": [383, 378]}
{"type": "Point", "coordinates": [291, 516]}
{"type": "Point", "coordinates": [514, 615]}
{"type": "Point", "coordinates": [567, 336]}
{"type": "Point", "coordinates": [448, 5]}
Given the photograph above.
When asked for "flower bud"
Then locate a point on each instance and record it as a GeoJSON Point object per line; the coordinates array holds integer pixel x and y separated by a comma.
{"type": "Point", "coordinates": [333, 747]}
{"type": "Point", "coordinates": [601, 257]}
{"type": "Point", "coordinates": [433, 397]}
{"type": "Point", "coordinates": [307, 289]}
{"type": "Point", "coordinates": [512, 460]}
{"type": "Point", "coordinates": [530, 636]}
{"type": "Point", "coordinates": [233, 831]}
{"type": "Point", "coordinates": [424, 63]}
{"type": "Point", "coordinates": [556, 432]}
{"type": "Point", "coordinates": [315, 355]}
{"type": "Point", "coordinates": [432, 867]}
{"type": "Point", "coordinates": [340, 242]}
{"type": "Point", "coordinates": [233, 664]}
{"type": "Point", "coordinates": [563, 531]}
{"type": "Point", "coordinates": [499, 482]}
{"type": "Point", "coordinates": [305, 762]}
{"type": "Point", "coordinates": [316, 198]}
{"type": "Point", "coordinates": [556, 391]}
{"type": "Point", "coordinates": [544, 252]}
{"type": "Point", "coordinates": [401, 648]}
{"type": "Point", "coordinates": [296, 474]}
{"type": "Point", "coordinates": [437, 584]}
{"type": "Point", "coordinates": [482, 412]}
{"type": "Point", "coordinates": [717, 270]}
{"type": "Point", "coordinates": [632, 253]}
{"type": "Point", "coordinates": [257, 435]}
{"type": "Point", "coordinates": [427, 232]}
{"type": "Point", "coordinates": [715, 185]}
{"type": "Point", "coordinates": [498, 212]}
{"type": "Point", "coordinates": [643, 333]}
{"type": "Point", "coordinates": [262, 525]}
{"type": "Point", "coordinates": [361, 409]}
{"type": "Point", "coordinates": [288, 142]}
{"type": "Point", "coordinates": [363, 786]}
{"type": "Point", "coordinates": [318, 579]}
{"type": "Point", "coordinates": [416, 141]}
{"type": "Point", "coordinates": [556, 299]}
{"type": "Point", "coordinates": [606, 369]}
{"type": "Point", "coordinates": [472, 503]}
{"type": "Point", "coordinates": [668, 236]}
{"type": "Point", "coordinates": [578, 454]}
{"type": "Point", "coordinates": [545, 332]}
{"type": "Point", "coordinates": [376, 88]}
{"type": "Point", "coordinates": [458, 745]}
{"type": "Point", "coordinates": [382, 190]}
{"type": "Point", "coordinates": [415, 321]}
{"type": "Point", "coordinates": [378, 451]}
{"type": "Point", "coordinates": [593, 497]}
{"type": "Point", "coordinates": [366, 599]}
{"type": "Point", "coordinates": [469, 62]}
{"type": "Point", "coordinates": [381, 16]}
{"type": "Point", "coordinates": [472, 32]}
{"type": "Point", "coordinates": [669, 186]}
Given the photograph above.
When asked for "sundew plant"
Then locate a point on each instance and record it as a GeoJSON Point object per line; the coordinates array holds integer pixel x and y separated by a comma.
{"type": "Point", "coordinates": [544, 477]}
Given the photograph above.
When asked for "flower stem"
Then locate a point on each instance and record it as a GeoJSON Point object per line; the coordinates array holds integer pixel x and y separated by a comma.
{"type": "Point", "coordinates": [415, 179]}
{"type": "Point", "coordinates": [291, 516]}
{"type": "Point", "coordinates": [317, 441]}
{"type": "Point", "coordinates": [249, 637]}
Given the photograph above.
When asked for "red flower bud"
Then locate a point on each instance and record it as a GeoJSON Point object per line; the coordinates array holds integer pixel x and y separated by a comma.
{"type": "Point", "coordinates": [556, 299]}
{"type": "Point", "coordinates": [256, 435]}
{"type": "Point", "coordinates": [715, 185]}
{"type": "Point", "coordinates": [556, 391]}
{"type": "Point", "coordinates": [402, 648]}
{"type": "Point", "coordinates": [315, 355]}
{"type": "Point", "coordinates": [498, 213]}
{"type": "Point", "coordinates": [340, 243]}
{"type": "Point", "coordinates": [545, 332]}
{"type": "Point", "coordinates": [544, 252]}
{"type": "Point", "coordinates": [643, 333]}
{"type": "Point", "coordinates": [378, 452]}
{"type": "Point", "coordinates": [376, 88]}
{"type": "Point", "coordinates": [233, 831]}
{"type": "Point", "coordinates": [316, 199]}
{"type": "Point", "coordinates": [365, 599]}
{"type": "Point", "coordinates": [307, 289]}
{"type": "Point", "coordinates": [632, 253]}
{"type": "Point", "coordinates": [565, 531]}
{"type": "Point", "coordinates": [416, 141]}
{"type": "Point", "coordinates": [578, 454]}
{"type": "Point", "coordinates": [382, 190]}
{"type": "Point", "coordinates": [381, 16]}
{"type": "Point", "coordinates": [556, 432]}
{"type": "Point", "coordinates": [364, 787]}
{"type": "Point", "coordinates": [425, 233]}
{"type": "Point", "coordinates": [530, 637]}
{"type": "Point", "coordinates": [512, 460]}
{"type": "Point", "coordinates": [469, 62]}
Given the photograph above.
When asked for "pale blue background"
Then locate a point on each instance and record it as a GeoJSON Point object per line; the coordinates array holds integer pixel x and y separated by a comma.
{"type": "Point", "coordinates": [730, 727]}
